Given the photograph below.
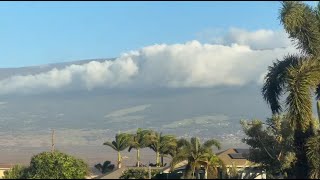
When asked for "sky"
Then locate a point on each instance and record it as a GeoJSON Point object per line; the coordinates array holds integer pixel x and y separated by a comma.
{"type": "Point", "coordinates": [34, 33]}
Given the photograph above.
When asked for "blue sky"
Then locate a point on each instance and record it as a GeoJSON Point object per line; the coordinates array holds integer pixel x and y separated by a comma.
{"type": "Point", "coordinates": [34, 33]}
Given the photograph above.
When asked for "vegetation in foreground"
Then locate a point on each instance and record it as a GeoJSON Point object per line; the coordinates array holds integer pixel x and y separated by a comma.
{"type": "Point", "coordinates": [50, 165]}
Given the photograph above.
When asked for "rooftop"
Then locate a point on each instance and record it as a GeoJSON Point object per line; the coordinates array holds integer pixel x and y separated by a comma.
{"type": "Point", "coordinates": [237, 157]}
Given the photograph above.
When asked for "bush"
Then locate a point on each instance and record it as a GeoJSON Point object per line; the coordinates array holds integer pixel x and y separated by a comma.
{"type": "Point", "coordinates": [57, 165]}
{"type": "Point", "coordinates": [106, 167]}
{"type": "Point", "coordinates": [17, 172]}
{"type": "Point", "coordinates": [138, 174]}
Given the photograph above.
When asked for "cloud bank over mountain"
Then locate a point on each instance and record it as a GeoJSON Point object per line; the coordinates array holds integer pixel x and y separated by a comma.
{"type": "Point", "coordinates": [237, 58]}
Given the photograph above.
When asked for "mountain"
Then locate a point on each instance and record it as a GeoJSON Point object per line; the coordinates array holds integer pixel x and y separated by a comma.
{"type": "Point", "coordinates": [7, 72]}
{"type": "Point", "coordinates": [83, 118]}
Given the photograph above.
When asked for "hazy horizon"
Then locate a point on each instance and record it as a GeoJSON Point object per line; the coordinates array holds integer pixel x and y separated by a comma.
{"type": "Point", "coordinates": [92, 69]}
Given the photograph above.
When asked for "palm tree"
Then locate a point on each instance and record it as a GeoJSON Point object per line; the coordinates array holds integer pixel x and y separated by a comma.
{"type": "Point", "coordinates": [211, 163]}
{"type": "Point", "coordinates": [194, 152]}
{"type": "Point", "coordinates": [161, 144]}
{"type": "Point", "coordinates": [121, 143]}
{"type": "Point", "coordinates": [138, 141]}
{"type": "Point", "coordinates": [297, 75]}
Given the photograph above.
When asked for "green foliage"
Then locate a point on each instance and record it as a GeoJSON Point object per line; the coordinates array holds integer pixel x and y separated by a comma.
{"type": "Point", "coordinates": [161, 144]}
{"type": "Point", "coordinates": [275, 81]}
{"type": "Point", "coordinates": [271, 144]}
{"type": "Point", "coordinates": [301, 22]}
{"type": "Point", "coordinates": [106, 167]}
{"type": "Point", "coordinates": [122, 142]}
{"type": "Point", "coordinates": [297, 76]}
{"type": "Point", "coordinates": [138, 174]}
{"type": "Point", "coordinates": [313, 153]}
{"type": "Point", "coordinates": [300, 79]}
{"type": "Point", "coordinates": [195, 153]}
{"type": "Point", "coordinates": [56, 165]}
{"type": "Point", "coordinates": [233, 172]}
{"type": "Point", "coordinates": [17, 172]}
{"type": "Point", "coordinates": [138, 141]}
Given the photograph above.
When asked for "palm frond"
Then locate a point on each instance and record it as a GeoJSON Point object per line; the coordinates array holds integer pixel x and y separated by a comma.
{"type": "Point", "coordinates": [302, 78]}
{"type": "Point", "coordinates": [313, 154]}
{"type": "Point", "coordinates": [212, 142]}
{"type": "Point", "coordinates": [110, 144]}
{"type": "Point", "coordinates": [301, 23]}
{"type": "Point", "coordinates": [275, 81]}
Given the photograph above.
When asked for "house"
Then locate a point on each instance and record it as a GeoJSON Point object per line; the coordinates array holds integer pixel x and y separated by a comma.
{"type": "Point", "coordinates": [237, 159]}
{"type": "Point", "coordinates": [3, 168]}
{"type": "Point", "coordinates": [232, 159]}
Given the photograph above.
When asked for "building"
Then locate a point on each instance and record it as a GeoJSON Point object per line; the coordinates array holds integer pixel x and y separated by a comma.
{"type": "Point", "coordinates": [3, 168]}
{"type": "Point", "coordinates": [233, 159]}
{"type": "Point", "coordinates": [237, 159]}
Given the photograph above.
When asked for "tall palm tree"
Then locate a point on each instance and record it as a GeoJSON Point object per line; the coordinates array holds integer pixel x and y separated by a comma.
{"type": "Point", "coordinates": [297, 75]}
{"type": "Point", "coordinates": [138, 141]}
{"type": "Point", "coordinates": [121, 143]}
{"type": "Point", "coordinates": [194, 152]}
{"type": "Point", "coordinates": [161, 144]}
{"type": "Point", "coordinates": [211, 164]}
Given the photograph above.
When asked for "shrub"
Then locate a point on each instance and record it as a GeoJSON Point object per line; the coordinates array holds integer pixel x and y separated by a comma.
{"type": "Point", "coordinates": [57, 165]}
{"type": "Point", "coordinates": [17, 172]}
{"type": "Point", "coordinates": [138, 174]}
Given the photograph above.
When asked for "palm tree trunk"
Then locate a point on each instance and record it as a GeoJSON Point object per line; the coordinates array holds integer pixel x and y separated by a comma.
{"type": "Point", "coordinates": [161, 160]}
{"type": "Point", "coordinates": [138, 157]}
{"type": "Point", "coordinates": [318, 109]}
{"type": "Point", "coordinates": [302, 168]}
{"type": "Point", "coordinates": [193, 172]}
{"type": "Point", "coordinates": [119, 160]}
{"type": "Point", "coordinates": [157, 158]}
{"type": "Point", "coordinates": [206, 172]}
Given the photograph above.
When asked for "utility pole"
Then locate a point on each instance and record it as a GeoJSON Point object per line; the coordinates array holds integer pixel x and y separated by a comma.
{"type": "Point", "coordinates": [52, 141]}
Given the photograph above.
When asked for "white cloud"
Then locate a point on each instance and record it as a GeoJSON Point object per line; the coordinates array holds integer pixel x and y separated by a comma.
{"type": "Point", "coordinates": [91, 75]}
{"type": "Point", "coordinates": [260, 39]}
{"type": "Point", "coordinates": [237, 60]}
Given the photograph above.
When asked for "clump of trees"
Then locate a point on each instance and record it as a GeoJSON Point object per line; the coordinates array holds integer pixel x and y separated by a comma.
{"type": "Point", "coordinates": [271, 145]}
{"type": "Point", "coordinates": [106, 167]}
{"type": "Point", "coordinates": [296, 78]}
{"type": "Point", "coordinates": [16, 172]}
{"type": "Point", "coordinates": [197, 154]}
{"type": "Point", "coordinates": [162, 145]}
{"type": "Point", "coordinates": [138, 174]}
{"type": "Point", "coordinates": [50, 165]}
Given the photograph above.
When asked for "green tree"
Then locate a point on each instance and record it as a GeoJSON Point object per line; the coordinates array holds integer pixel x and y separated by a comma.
{"type": "Point", "coordinates": [56, 165]}
{"type": "Point", "coordinates": [138, 174]}
{"type": "Point", "coordinates": [194, 152]}
{"type": "Point", "coordinates": [106, 167]}
{"type": "Point", "coordinates": [16, 172]}
{"type": "Point", "coordinates": [161, 145]}
{"type": "Point", "coordinates": [121, 143]}
{"type": "Point", "coordinates": [211, 164]}
{"type": "Point", "coordinates": [139, 141]}
{"type": "Point", "coordinates": [271, 145]}
{"type": "Point", "coordinates": [297, 75]}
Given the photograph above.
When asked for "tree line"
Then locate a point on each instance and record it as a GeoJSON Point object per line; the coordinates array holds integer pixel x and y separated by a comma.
{"type": "Point", "coordinates": [196, 153]}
